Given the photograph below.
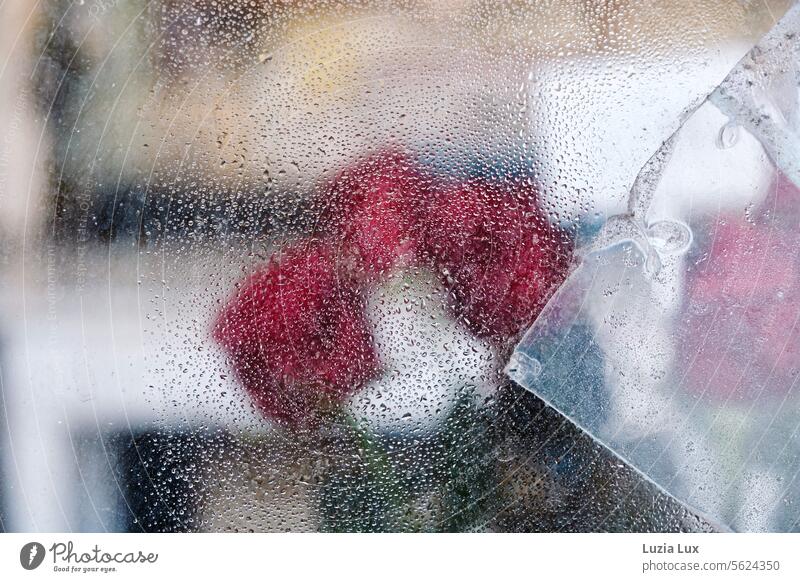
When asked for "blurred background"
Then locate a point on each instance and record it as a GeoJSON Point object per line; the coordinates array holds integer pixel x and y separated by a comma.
{"type": "Point", "coordinates": [154, 153]}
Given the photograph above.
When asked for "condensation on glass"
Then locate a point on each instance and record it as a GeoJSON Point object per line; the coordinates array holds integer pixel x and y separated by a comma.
{"type": "Point", "coordinates": [689, 294]}
{"type": "Point", "coordinates": [266, 266]}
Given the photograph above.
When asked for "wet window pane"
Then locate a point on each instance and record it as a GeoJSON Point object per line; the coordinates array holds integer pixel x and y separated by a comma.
{"type": "Point", "coordinates": [266, 266]}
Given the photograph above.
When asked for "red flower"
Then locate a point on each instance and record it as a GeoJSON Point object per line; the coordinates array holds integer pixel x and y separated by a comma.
{"type": "Point", "coordinates": [499, 254]}
{"type": "Point", "coordinates": [373, 211]}
{"type": "Point", "coordinates": [743, 334]}
{"type": "Point", "coordinates": [296, 334]}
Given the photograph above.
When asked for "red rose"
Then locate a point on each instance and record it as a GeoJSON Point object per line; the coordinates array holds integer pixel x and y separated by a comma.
{"type": "Point", "coordinates": [742, 337]}
{"type": "Point", "coordinates": [373, 211]}
{"type": "Point", "coordinates": [296, 334]}
{"type": "Point", "coordinates": [498, 252]}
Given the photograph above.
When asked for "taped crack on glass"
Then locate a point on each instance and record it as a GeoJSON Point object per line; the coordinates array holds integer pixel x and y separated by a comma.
{"type": "Point", "coordinates": [641, 285]}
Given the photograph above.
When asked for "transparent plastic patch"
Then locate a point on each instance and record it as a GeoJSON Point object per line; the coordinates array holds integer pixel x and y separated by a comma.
{"type": "Point", "coordinates": [691, 299]}
{"type": "Point", "coordinates": [263, 265]}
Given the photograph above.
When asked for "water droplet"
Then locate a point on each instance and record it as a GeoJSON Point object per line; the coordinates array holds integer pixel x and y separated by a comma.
{"type": "Point", "coordinates": [728, 136]}
{"type": "Point", "coordinates": [669, 237]}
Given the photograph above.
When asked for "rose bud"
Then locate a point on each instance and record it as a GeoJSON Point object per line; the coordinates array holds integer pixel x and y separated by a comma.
{"type": "Point", "coordinates": [373, 209]}
{"type": "Point", "coordinates": [742, 302]}
{"type": "Point", "coordinates": [297, 336]}
{"type": "Point", "coordinates": [496, 250]}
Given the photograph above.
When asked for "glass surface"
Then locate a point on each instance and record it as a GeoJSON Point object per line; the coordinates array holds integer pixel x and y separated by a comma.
{"type": "Point", "coordinates": [688, 298]}
{"type": "Point", "coordinates": [265, 264]}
